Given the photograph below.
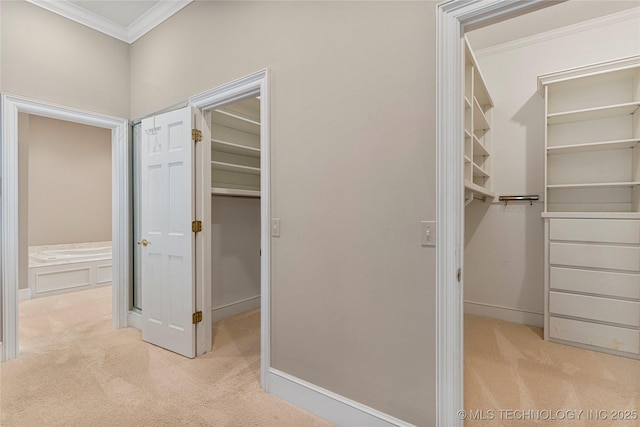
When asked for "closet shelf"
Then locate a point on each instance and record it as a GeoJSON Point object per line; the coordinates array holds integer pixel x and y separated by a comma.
{"type": "Point", "coordinates": [219, 191]}
{"type": "Point", "coordinates": [467, 103]}
{"type": "Point", "coordinates": [478, 147]}
{"type": "Point", "coordinates": [479, 119]}
{"type": "Point", "coordinates": [479, 171]}
{"type": "Point", "coordinates": [478, 189]}
{"type": "Point", "coordinates": [239, 117]}
{"type": "Point", "coordinates": [594, 146]}
{"type": "Point", "coordinates": [596, 185]}
{"type": "Point", "coordinates": [467, 159]}
{"type": "Point", "coordinates": [592, 113]}
{"type": "Point", "coordinates": [230, 147]}
{"type": "Point", "coordinates": [230, 167]}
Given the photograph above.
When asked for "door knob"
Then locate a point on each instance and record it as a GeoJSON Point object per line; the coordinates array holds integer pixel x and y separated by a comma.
{"type": "Point", "coordinates": [143, 242]}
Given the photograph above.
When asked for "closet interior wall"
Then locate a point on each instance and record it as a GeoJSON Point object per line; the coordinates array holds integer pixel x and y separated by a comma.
{"type": "Point", "coordinates": [504, 244]}
{"type": "Point", "coordinates": [235, 208]}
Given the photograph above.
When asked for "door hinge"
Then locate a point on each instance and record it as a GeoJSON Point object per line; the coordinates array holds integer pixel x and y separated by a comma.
{"type": "Point", "coordinates": [197, 317]}
{"type": "Point", "coordinates": [196, 135]}
{"type": "Point", "coordinates": [459, 274]}
{"type": "Point", "coordinates": [196, 226]}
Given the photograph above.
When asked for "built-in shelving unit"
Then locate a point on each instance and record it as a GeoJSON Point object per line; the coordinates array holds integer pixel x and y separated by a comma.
{"type": "Point", "coordinates": [235, 149]}
{"type": "Point", "coordinates": [592, 206]}
{"type": "Point", "coordinates": [477, 131]}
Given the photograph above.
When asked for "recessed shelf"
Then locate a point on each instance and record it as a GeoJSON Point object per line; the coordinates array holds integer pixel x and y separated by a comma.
{"type": "Point", "coordinates": [594, 146]}
{"type": "Point", "coordinates": [230, 167]}
{"type": "Point", "coordinates": [230, 147]}
{"type": "Point", "coordinates": [219, 191]}
{"type": "Point", "coordinates": [596, 185]}
{"type": "Point", "coordinates": [593, 113]}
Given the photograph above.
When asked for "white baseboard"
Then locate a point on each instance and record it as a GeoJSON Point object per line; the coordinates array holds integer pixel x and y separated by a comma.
{"type": "Point", "coordinates": [24, 294]}
{"type": "Point", "coordinates": [227, 310]}
{"type": "Point", "coordinates": [504, 313]}
{"type": "Point", "coordinates": [326, 404]}
{"type": "Point", "coordinates": [135, 320]}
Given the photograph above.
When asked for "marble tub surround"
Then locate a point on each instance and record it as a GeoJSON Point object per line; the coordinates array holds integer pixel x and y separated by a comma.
{"type": "Point", "coordinates": [52, 254]}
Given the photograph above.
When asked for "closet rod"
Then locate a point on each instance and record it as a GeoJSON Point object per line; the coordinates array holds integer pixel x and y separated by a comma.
{"type": "Point", "coordinates": [529, 198]}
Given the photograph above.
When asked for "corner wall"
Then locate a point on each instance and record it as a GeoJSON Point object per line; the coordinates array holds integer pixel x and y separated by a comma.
{"type": "Point", "coordinates": [50, 58]}
{"type": "Point", "coordinates": [353, 174]}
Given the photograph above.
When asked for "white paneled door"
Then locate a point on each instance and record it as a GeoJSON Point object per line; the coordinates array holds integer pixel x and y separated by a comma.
{"type": "Point", "coordinates": [167, 240]}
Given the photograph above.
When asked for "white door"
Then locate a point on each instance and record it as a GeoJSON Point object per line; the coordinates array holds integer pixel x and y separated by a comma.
{"type": "Point", "coordinates": [168, 242]}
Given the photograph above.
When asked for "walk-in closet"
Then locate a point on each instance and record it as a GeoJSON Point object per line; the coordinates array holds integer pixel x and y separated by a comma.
{"type": "Point", "coordinates": [235, 207]}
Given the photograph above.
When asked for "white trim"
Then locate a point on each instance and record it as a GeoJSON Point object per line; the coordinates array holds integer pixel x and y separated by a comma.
{"type": "Point", "coordinates": [227, 310]}
{"type": "Point", "coordinates": [153, 17]}
{"type": "Point", "coordinates": [515, 315]}
{"type": "Point", "coordinates": [24, 294]}
{"type": "Point", "coordinates": [138, 28]}
{"type": "Point", "coordinates": [135, 319]}
{"type": "Point", "coordinates": [451, 19]}
{"type": "Point", "coordinates": [225, 94]}
{"type": "Point", "coordinates": [326, 404]}
{"type": "Point", "coordinates": [587, 70]}
{"type": "Point", "coordinates": [121, 232]}
{"type": "Point", "coordinates": [614, 18]}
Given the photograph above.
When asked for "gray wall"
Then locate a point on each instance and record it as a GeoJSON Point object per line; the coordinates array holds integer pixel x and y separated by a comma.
{"type": "Point", "coordinates": [353, 173]}
{"type": "Point", "coordinates": [69, 189]}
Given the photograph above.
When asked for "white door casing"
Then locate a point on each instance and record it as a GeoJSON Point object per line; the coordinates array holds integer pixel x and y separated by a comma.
{"type": "Point", "coordinates": [121, 230]}
{"type": "Point", "coordinates": [453, 18]}
{"type": "Point", "coordinates": [167, 212]}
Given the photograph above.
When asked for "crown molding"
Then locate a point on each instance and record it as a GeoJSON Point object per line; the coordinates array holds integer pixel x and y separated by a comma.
{"type": "Point", "coordinates": [614, 18]}
{"type": "Point", "coordinates": [129, 34]}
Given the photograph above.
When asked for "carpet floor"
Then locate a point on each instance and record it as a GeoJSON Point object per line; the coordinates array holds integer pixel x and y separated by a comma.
{"type": "Point", "coordinates": [512, 377]}
{"type": "Point", "coordinates": [74, 369]}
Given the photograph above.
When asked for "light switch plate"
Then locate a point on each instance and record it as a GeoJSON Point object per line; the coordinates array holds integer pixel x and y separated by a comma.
{"type": "Point", "coordinates": [275, 227]}
{"type": "Point", "coordinates": [428, 233]}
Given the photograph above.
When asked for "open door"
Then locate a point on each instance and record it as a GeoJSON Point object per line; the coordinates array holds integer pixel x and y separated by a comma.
{"type": "Point", "coordinates": [168, 207]}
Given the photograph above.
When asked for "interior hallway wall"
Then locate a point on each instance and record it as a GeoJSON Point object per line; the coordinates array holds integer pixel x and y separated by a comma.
{"type": "Point", "coordinates": [50, 58]}
{"type": "Point", "coordinates": [353, 174]}
{"type": "Point", "coordinates": [235, 255]}
{"type": "Point", "coordinates": [69, 189]}
{"type": "Point", "coordinates": [504, 245]}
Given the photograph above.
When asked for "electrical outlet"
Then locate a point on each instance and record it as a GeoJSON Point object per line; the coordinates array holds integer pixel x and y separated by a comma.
{"type": "Point", "coordinates": [428, 233]}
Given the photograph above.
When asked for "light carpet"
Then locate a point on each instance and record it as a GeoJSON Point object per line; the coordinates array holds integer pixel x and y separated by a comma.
{"type": "Point", "coordinates": [74, 369]}
{"type": "Point", "coordinates": [510, 368]}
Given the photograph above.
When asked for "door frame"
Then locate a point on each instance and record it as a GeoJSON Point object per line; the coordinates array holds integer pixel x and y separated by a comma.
{"type": "Point", "coordinates": [453, 18]}
{"type": "Point", "coordinates": [120, 204]}
{"type": "Point", "coordinates": [256, 83]}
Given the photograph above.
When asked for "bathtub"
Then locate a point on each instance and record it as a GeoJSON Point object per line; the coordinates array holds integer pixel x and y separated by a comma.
{"type": "Point", "coordinates": [56, 269]}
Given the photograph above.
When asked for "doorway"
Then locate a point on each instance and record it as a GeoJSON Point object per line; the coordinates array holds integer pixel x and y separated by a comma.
{"type": "Point", "coordinates": [450, 293]}
{"type": "Point", "coordinates": [10, 244]}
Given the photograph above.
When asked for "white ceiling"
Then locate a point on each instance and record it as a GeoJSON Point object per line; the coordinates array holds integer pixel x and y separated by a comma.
{"type": "Point", "coordinates": [548, 19]}
{"type": "Point", "coordinates": [127, 20]}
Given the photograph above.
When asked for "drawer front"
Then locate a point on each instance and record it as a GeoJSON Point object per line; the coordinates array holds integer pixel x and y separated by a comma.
{"type": "Point", "coordinates": [596, 256]}
{"type": "Point", "coordinates": [595, 230]}
{"type": "Point", "coordinates": [595, 308]}
{"type": "Point", "coordinates": [595, 282]}
{"type": "Point", "coordinates": [611, 337]}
